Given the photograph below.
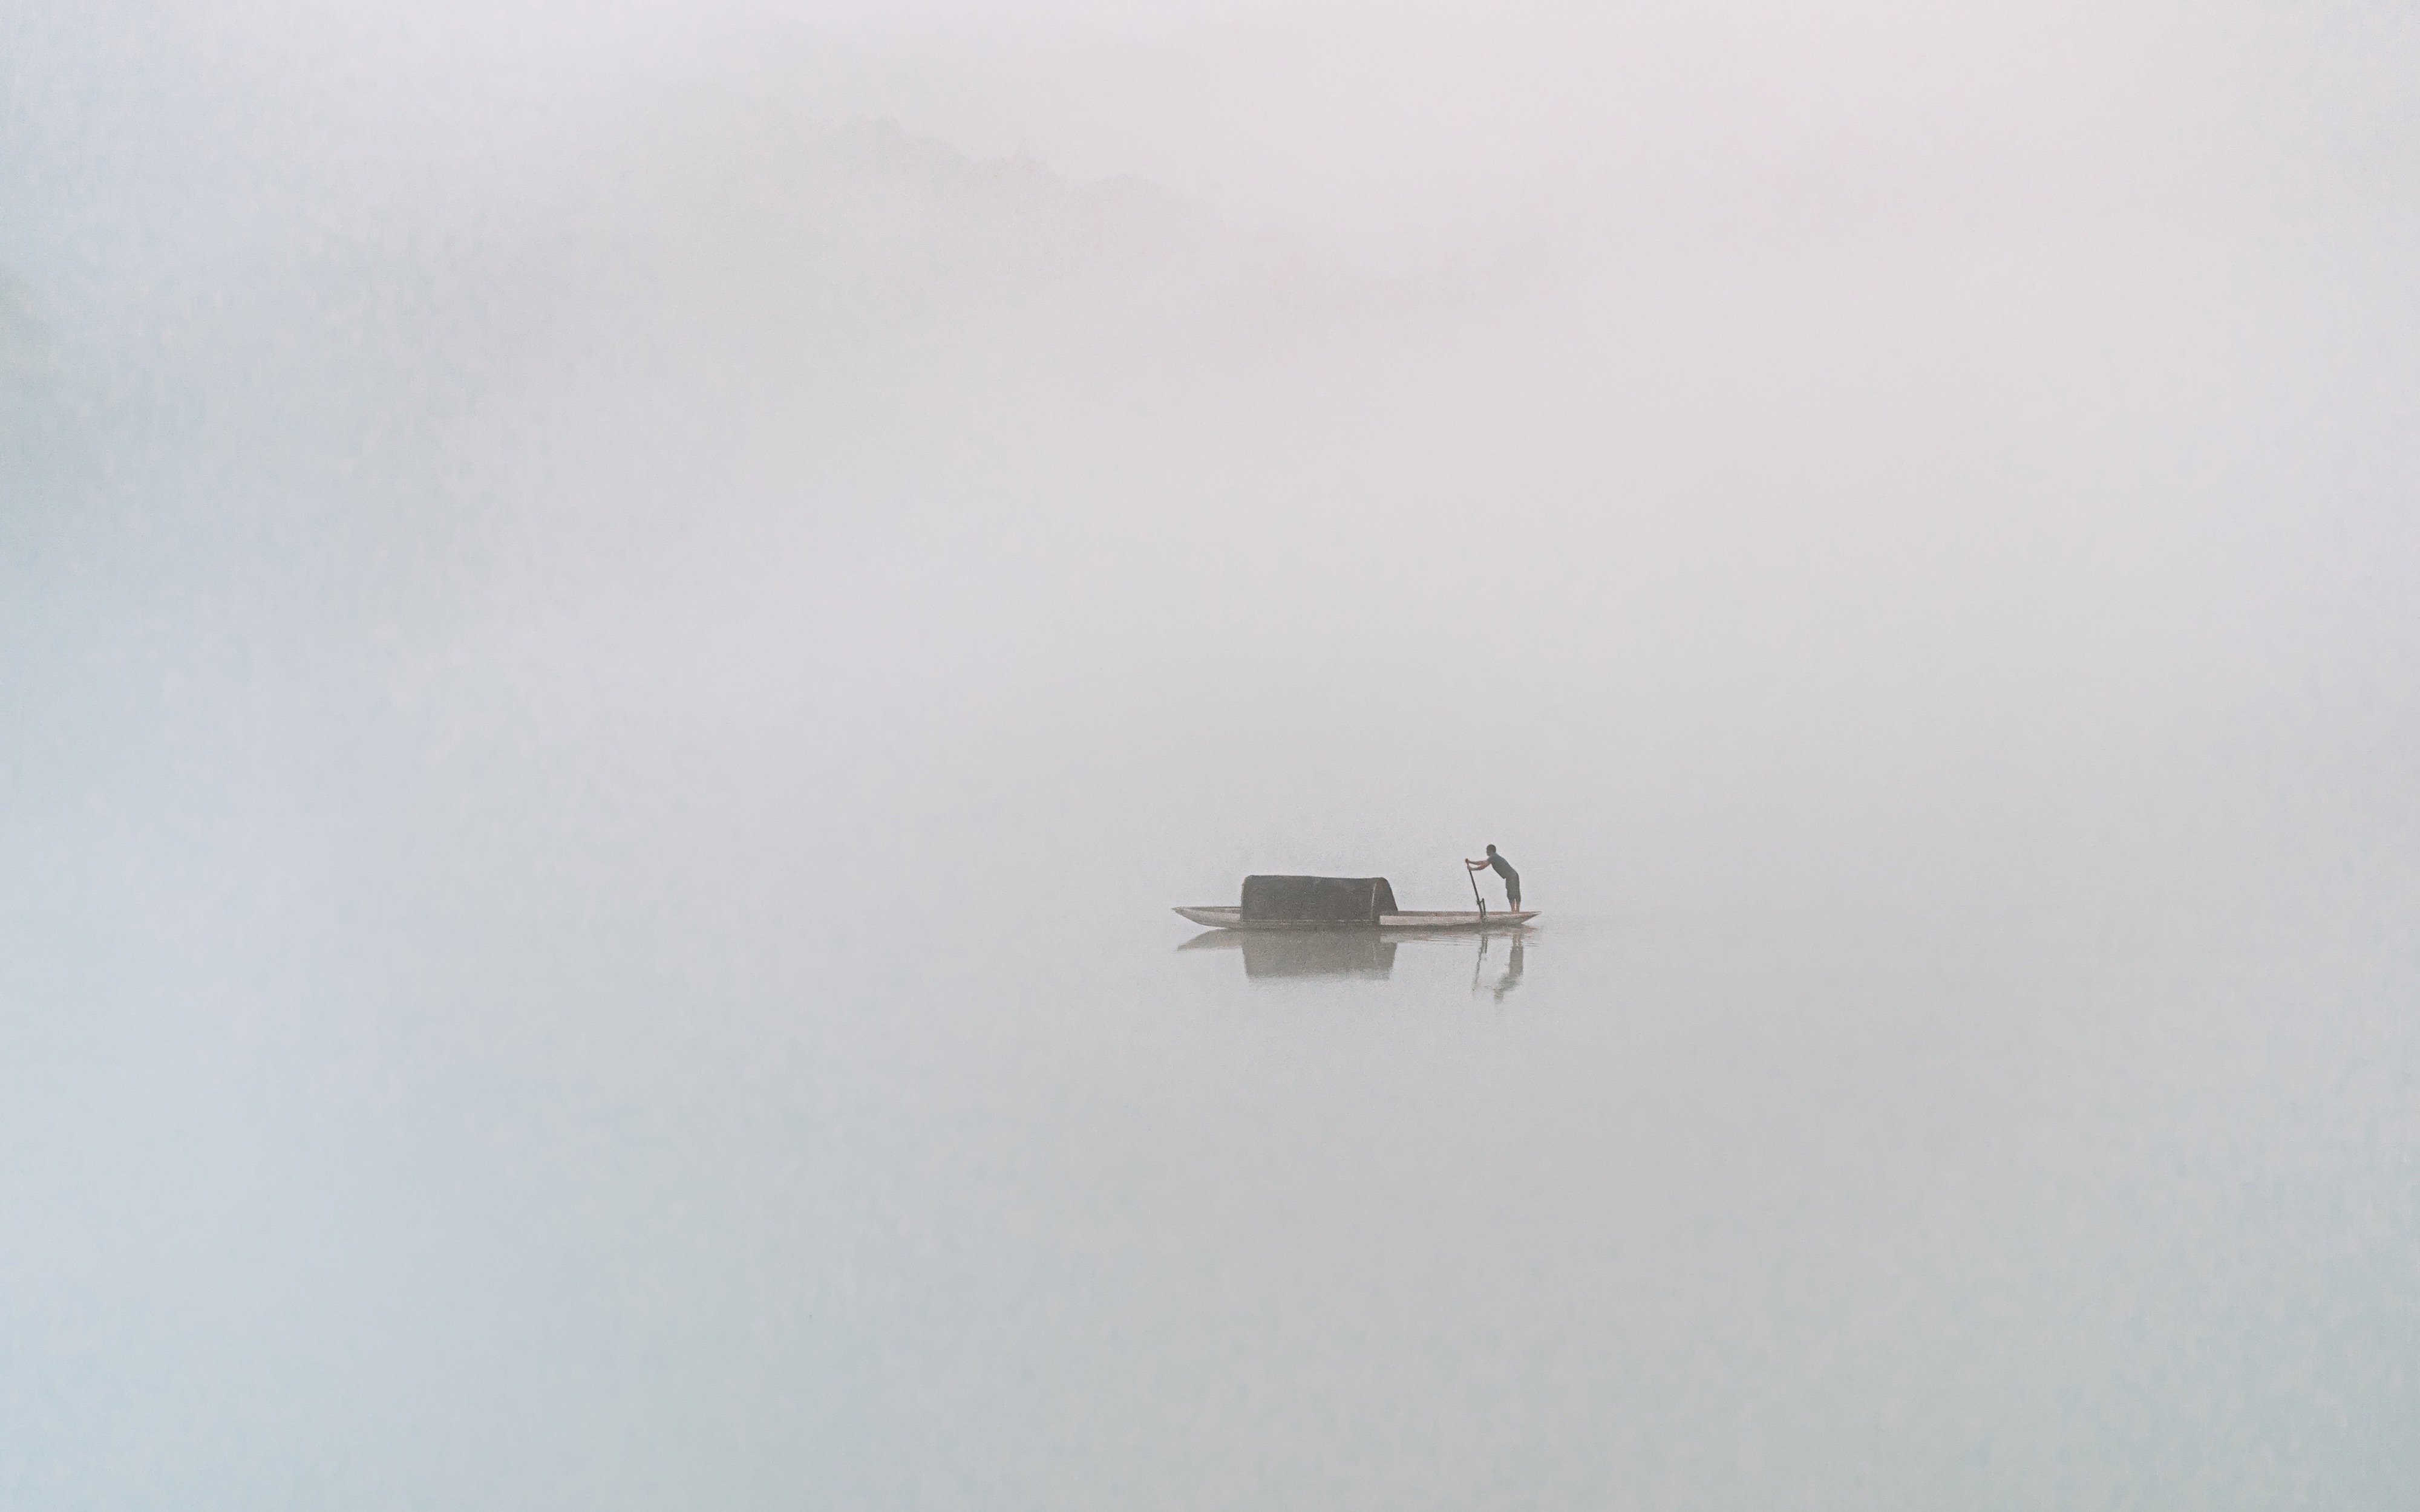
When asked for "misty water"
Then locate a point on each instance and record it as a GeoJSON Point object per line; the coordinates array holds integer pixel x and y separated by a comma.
{"type": "Point", "coordinates": [617, 639]}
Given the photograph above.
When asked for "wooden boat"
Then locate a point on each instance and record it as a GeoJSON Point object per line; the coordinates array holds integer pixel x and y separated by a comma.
{"type": "Point", "coordinates": [1437, 919]}
{"type": "Point", "coordinates": [1339, 904]}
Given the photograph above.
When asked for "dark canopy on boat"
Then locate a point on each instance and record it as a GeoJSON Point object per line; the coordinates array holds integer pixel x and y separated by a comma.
{"type": "Point", "coordinates": [1319, 900]}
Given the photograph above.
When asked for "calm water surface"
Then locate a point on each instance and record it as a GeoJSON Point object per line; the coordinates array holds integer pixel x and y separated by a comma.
{"type": "Point", "coordinates": [1808, 1209]}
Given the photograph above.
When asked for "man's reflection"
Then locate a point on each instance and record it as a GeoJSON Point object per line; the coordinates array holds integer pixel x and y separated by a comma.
{"type": "Point", "coordinates": [1511, 977]}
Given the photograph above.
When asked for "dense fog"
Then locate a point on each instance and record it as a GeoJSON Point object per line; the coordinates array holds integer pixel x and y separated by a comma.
{"type": "Point", "coordinates": [617, 627]}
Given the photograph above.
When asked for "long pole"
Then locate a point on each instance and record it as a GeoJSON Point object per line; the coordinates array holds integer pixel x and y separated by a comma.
{"type": "Point", "coordinates": [1472, 877]}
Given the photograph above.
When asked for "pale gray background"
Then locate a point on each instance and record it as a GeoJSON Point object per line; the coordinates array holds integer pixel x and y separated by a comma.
{"type": "Point", "coordinates": [617, 624]}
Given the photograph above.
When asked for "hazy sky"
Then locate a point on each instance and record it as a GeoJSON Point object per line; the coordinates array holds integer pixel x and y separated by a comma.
{"type": "Point", "coordinates": [1801, 431]}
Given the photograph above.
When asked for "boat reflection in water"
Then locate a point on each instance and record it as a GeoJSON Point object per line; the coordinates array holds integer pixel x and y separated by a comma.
{"type": "Point", "coordinates": [1359, 952]}
{"type": "Point", "coordinates": [1270, 955]}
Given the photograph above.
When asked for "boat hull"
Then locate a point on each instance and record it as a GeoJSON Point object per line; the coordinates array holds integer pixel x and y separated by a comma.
{"type": "Point", "coordinates": [1232, 917]}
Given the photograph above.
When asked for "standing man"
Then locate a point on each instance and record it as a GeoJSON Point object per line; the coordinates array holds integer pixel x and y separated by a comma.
{"type": "Point", "coordinates": [1503, 869]}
